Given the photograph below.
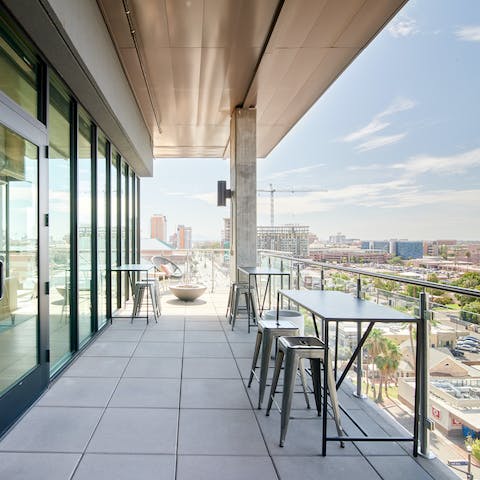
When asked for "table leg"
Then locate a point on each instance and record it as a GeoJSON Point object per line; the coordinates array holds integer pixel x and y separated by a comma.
{"type": "Point", "coordinates": [326, 359]}
{"type": "Point", "coordinates": [355, 354]}
{"type": "Point", "coordinates": [315, 325]}
{"type": "Point", "coordinates": [418, 382]}
{"type": "Point", "coordinates": [336, 351]}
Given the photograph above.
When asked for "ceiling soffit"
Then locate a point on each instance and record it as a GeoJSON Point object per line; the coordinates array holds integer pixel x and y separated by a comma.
{"type": "Point", "coordinates": [191, 62]}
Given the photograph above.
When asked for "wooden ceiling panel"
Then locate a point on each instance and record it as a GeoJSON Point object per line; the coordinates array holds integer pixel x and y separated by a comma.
{"type": "Point", "coordinates": [116, 20]}
{"type": "Point", "coordinates": [150, 21]}
{"type": "Point", "coordinates": [185, 22]}
{"type": "Point", "coordinates": [203, 58]}
{"type": "Point", "coordinates": [221, 18]}
{"type": "Point", "coordinates": [332, 21]}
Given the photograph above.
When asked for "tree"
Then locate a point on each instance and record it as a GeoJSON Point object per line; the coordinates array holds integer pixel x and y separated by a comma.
{"type": "Point", "coordinates": [375, 346]}
{"type": "Point", "coordinates": [467, 280]}
{"type": "Point", "coordinates": [395, 261]}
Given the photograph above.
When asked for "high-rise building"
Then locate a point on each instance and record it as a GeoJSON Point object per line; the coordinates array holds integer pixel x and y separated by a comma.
{"type": "Point", "coordinates": [284, 238]}
{"type": "Point", "coordinates": [184, 237]}
{"type": "Point", "coordinates": [407, 249]}
{"type": "Point", "coordinates": [158, 227]}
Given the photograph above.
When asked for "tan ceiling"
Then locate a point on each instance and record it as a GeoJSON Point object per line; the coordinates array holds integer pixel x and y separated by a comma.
{"type": "Point", "coordinates": [191, 62]}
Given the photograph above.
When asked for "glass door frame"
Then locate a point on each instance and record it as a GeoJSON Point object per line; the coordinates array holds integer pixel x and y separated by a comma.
{"type": "Point", "coordinates": [26, 390]}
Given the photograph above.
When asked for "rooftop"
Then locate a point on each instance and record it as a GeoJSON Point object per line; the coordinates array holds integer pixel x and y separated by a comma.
{"type": "Point", "coordinates": [169, 401]}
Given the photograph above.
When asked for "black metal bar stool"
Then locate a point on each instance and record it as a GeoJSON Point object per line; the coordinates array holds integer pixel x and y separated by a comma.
{"type": "Point", "coordinates": [294, 349]}
{"type": "Point", "coordinates": [268, 332]}
{"type": "Point", "coordinates": [231, 299]}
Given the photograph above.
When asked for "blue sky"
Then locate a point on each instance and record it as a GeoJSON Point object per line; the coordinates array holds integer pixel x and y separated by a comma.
{"type": "Point", "coordinates": [395, 142]}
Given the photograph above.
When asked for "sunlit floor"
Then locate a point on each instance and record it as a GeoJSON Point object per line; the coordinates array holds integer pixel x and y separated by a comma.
{"type": "Point", "coordinates": [169, 401]}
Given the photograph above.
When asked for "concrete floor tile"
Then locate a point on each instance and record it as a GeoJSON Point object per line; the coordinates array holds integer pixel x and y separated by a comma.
{"type": "Point", "coordinates": [150, 367]}
{"type": "Point", "coordinates": [159, 349]}
{"type": "Point", "coordinates": [79, 392]}
{"type": "Point", "coordinates": [169, 336]}
{"type": "Point", "coordinates": [117, 335]}
{"type": "Point", "coordinates": [126, 467]}
{"type": "Point", "coordinates": [313, 468]}
{"type": "Point", "coordinates": [147, 392]}
{"type": "Point", "coordinates": [214, 393]}
{"type": "Point", "coordinates": [135, 430]}
{"type": "Point", "coordinates": [28, 466]}
{"type": "Point", "coordinates": [207, 350]}
{"type": "Point", "coordinates": [210, 368]}
{"type": "Point", "coordinates": [398, 468]}
{"type": "Point", "coordinates": [110, 349]}
{"type": "Point", "coordinates": [53, 429]}
{"type": "Point", "coordinates": [196, 337]}
{"type": "Point", "coordinates": [243, 349]}
{"type": "Point", "coordinates": [97, 367]}
{"type": "Point", "coordinates": [219, 432]}
{"type": "Point", "coordinates": [195, 325]}
{"type": "Point", "coordinates": [230, 468]}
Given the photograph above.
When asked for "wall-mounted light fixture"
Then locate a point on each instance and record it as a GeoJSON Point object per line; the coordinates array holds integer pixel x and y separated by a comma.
{"type": "Point", "coordinates": [222, 193]}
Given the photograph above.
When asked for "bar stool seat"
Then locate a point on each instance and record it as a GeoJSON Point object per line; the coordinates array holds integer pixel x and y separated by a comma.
{"type": "Point", "coordinates": [268, 332]}
{"type": "Point", "coordinates": [150, 286]}
{"type": "Point", "coordinates": [295, 348]}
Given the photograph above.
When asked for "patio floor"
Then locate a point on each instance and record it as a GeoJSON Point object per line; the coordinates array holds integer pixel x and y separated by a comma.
{"type": "Point", "coordinates": [169, 401]}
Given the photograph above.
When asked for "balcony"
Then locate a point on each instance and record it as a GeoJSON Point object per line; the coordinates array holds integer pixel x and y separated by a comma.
{"type": "Point", "coordinates": [169, 400]}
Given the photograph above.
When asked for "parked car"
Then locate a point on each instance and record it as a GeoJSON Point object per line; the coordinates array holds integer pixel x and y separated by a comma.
{"type": "Point", "coordinates": [457, 353]}
{"type": "Point", "coordinates": [467, 348]}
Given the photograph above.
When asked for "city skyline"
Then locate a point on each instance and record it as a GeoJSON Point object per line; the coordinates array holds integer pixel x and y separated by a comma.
{"type": "Point", "coordinates": [394, 142]}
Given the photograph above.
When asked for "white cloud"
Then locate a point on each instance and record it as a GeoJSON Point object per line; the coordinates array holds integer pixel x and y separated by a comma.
{"type": "Point", "coordinates": [402, 26]}
{"type": "Point", "coordinates": [453, 164]}
{"type": "Point", "coordinates": [398, 105]}
{"type": "Point", "coordinates": [378, 124]}
{"type": "Point", "coordinates": [294, 171]}
{"type": "Point", "coordinates": [468, 33]}
{"type": "Point", "coordinates": [379, 141]}
{"type": "Point", "coordinates": [374, 126]}
{"type": "Point", "coordinates": [209, 197]}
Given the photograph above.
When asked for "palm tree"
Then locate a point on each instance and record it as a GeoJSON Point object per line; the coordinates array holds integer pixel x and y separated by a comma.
{"type": "Point", "coordinates": [375, 346]}
{"type": "Point", "coordinates": [387, 363]}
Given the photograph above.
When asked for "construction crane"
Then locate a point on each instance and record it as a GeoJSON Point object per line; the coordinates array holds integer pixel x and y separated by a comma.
{"type": "Point", "coordinates": [272, 192]}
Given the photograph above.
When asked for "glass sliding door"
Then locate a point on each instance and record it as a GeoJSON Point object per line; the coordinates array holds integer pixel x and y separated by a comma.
{"type": "Point", "coordinates": [101, 229]}
{"type": "Point", "coordinates": [19, 317]}
{"type": "Point", "coordinates": [131, 216]}
{"type": "Point", "coordinates": [84, 219]}
{"type": "Point", "coordinates": [59, 223]}
{"type": "Point", "coordinates": [115, 287]}
{"type": "Point", "coordinates": [124, 229]}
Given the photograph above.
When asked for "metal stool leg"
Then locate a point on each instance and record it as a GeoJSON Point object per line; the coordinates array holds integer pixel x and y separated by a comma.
{"type": "Point", "coordinates": [290, 374]}
{"type": "Point", "coordinates": [332, 391]}
{"type": "Point", "coordinates": [276, 375]}
{"type": "Point", "coordinates": [303, 377]}
{"type": "Point", "coordinates": [317, 384]}
{"type": "Point", "coordinates": [258, 342]}
{"type": "Point", "coordinates": [235, 308]}
{"type": "Point", "coordinates": [267, 343]}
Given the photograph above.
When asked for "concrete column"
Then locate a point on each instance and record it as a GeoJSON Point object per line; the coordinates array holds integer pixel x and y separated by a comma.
{"type": "Point", "coordinates": [243, 183]}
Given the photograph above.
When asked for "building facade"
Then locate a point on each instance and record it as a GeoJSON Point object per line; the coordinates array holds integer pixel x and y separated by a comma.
{"type": "Point", "coordinates": [184, 237]}
{"type": "Point", "coordinates": [284, 238]}
{"type": "Point", "coordinates": [158, 227]}
{"type": "Point", "coordinates": [69, 197]}
{"type": "Point", "coordinates": [408, 249]}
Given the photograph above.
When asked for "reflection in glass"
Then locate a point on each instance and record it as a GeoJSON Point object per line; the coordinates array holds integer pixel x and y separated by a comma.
{"type": "Point", "coordinates": [59, 223]}
{"type": "Point", "coordinates": [131, 216]}
{"type": "Point", "coordinates": [84, 166]}
{"type": "Point", "coordinates": [123, 230]}
{"type": "Point", "coordinates": [114, 225]}
{"type": "Point", "coordinates": [102, 229]}
{"type": "Point", "coordinates": [19, 70]}
{"type": "Point", "coordinates": [18, 251]}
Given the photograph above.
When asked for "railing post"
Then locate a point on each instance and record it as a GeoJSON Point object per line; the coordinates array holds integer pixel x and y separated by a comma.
{"type": "Point", "coordinates": [423, 382]}
{"type": "Point", "coordinates": [322, 278]}
{"type": "Point", "coordinates": [213, 271]}
{"type": "Point", "coordinates": [359, 393]}
{"type": "Point", "coordinates": [298, 275]}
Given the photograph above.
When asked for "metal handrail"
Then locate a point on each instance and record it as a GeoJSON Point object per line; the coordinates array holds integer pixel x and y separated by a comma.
{"type": "Point", "coordinates": [358, 271]}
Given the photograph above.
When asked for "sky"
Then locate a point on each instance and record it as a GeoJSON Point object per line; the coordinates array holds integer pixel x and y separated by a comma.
{"type": "Point", "coordinates": [391, 150]}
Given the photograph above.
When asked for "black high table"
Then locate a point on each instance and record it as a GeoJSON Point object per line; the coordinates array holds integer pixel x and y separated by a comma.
{"type": "Point", "coordinates": [333, 306]}
{"type": "Point", "coordinates": [269, 272]}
